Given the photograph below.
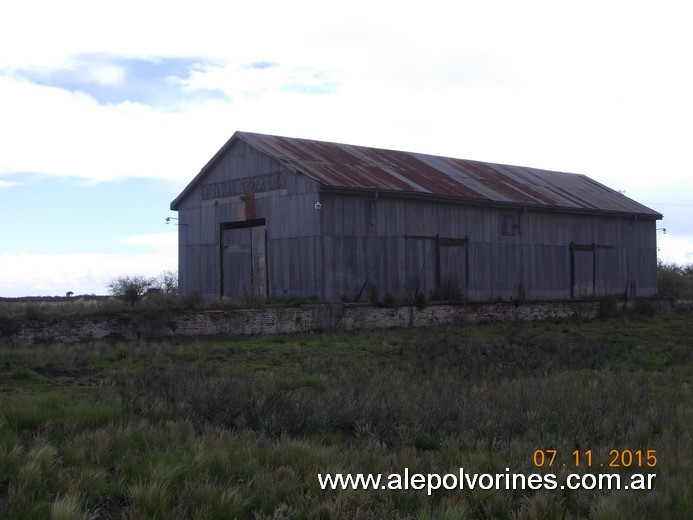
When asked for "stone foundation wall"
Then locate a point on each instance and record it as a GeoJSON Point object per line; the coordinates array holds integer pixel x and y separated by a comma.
{"type": "Point", "coordinates": [307, 318]}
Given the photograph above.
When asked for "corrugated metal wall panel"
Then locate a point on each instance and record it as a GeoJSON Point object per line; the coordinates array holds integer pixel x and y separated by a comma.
{"type": "Point", "coordinates": [533, 262]}
{"type": "Point", "coordinates": [419, 265]}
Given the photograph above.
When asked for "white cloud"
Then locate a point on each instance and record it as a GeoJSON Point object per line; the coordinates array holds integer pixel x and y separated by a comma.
{"type": "Point", "coordinates": [166, 243]}
{"type": "Point", "coordinates": [27, 274]}
{"type": "Point", "coordinates": [56, 132]}
{"type": "Point", "coordinates": [675, 248]}
{"type": "Point", "coordinates": [104, 74]}
{"type": "Point", "coordinates": [7, 184]}
{"type": "Point", "coordinates": [573, 89]}
{"type": "Point", "coordinates": [54, 275]}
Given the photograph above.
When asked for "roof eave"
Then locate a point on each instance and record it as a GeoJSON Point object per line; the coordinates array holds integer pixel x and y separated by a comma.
{"type": "Point", "coordinates": [488, 203]}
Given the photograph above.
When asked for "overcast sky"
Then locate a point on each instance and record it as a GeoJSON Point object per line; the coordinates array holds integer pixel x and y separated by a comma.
{"type": "Point", "coordinates": [108, 109]}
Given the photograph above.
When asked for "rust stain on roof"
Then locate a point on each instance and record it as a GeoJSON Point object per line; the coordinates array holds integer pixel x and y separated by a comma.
{"type": "Point", "coordinates": [338, 165]}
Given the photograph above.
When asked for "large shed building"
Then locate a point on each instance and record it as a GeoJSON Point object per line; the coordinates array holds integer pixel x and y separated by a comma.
{"type": "Point", "coordinates": [276, 216]}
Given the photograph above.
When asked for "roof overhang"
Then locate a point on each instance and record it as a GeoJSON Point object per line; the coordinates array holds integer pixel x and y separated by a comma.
{"type": "Point", "coordinates": [513, 206]}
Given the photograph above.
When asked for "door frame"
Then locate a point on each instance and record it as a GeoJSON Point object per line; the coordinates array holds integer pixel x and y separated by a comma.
{"type": "Point", "coordinates": [241, 224]}
{"type": "Point", "coordinates": [439, 242]}
{"type": "Point", "coordinates": [593, 248]}
{"type": "Point", "coordinates": [453, 242]}
{"type": "Point", "coordinates": [586, 248]}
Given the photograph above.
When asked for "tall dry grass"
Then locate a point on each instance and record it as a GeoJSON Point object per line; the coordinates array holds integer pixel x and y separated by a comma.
{"type": "Point", "coordinates": [242, 427]}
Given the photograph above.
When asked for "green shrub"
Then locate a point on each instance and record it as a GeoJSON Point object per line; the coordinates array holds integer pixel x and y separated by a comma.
{"type": "Point", "coordinates": [9, 323]}
{"type": "Point", "coordinates": [92, 415]}
{"type": "Point", "coordinates": [31, 413]}
{"type": "Point", "coordinates": [34, 312]}
{"type": "Point", "coordinates": [132, 288]}
{"type": "Point", "coordinates": [608, 306]}
{"type": "Point", "coordinates": [23, 374]}
{"type": "Point", "coordinates": [645, 307]}
{"type": "Point", "coordinates": [675, 281]}
{"type": "Point", "coordinates": [448, 290]}
{"type": "Point", "coordinates": [390, 300]}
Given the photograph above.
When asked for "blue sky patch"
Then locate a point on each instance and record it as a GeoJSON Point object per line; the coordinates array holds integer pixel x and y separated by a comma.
{"type": "Point", "coordinates": [260, 65]}
{"type": "Point", "coordinates": [160, 82]}
{"type": "Point", "coordinates": [60, 216]}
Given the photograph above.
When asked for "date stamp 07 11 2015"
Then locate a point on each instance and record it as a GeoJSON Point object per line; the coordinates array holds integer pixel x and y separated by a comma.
{"type": "Point", "coordinates": [550, 458]}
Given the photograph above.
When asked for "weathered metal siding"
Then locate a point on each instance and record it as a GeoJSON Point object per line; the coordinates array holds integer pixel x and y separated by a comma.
{"type": "Point", "coordinates": [374, 246]}
{"type": "Point", "coordinates": [245, 186]}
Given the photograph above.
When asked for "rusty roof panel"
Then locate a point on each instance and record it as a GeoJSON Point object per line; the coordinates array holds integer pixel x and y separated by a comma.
{"type": "Point", "coordinates": [347, 166]}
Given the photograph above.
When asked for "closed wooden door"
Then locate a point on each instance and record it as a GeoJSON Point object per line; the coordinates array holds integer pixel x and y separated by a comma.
{"type": "Point", "coordinates": [244, 262]}
{"type": "Point", "coordinates": [583, 273]}
{"type": "Point", "coordinates": [452, 268]}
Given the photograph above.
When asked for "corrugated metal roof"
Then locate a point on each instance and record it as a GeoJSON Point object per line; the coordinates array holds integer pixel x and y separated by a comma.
{"type": "Point", "coordinates": [337, 165]}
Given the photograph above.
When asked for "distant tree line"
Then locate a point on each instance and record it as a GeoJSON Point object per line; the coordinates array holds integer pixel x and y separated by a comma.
{"type": "Point", "coordinates": [675, 281]}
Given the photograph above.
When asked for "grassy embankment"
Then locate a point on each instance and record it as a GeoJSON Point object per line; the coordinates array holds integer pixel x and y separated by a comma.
{"type": "Point", "coordinates": [241, 427]}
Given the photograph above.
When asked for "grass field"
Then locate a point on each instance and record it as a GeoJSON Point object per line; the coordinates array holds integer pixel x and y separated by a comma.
{"type": "Point", "coordinates": [241, 427]}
